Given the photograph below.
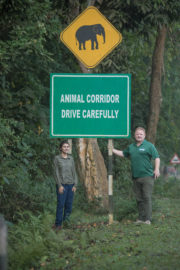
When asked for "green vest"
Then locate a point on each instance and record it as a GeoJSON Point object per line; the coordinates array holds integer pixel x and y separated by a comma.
{"type": "Point", "coordinates": [141, 157]}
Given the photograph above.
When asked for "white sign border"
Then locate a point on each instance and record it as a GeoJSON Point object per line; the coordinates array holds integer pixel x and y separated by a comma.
{"type": "Point", "coordinates": [89, 136]}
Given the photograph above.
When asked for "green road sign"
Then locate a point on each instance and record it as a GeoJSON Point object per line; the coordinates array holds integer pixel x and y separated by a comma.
{"type": "Point", "coordinates": [90, 105]}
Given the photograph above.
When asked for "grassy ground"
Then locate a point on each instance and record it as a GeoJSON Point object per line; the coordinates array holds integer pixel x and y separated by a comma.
{"type": "Point", "coordinates": [90, 243]}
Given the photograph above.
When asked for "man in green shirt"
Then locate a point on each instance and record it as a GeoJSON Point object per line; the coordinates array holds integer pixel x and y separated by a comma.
{"type": "Point", "coordinates": [66, 183]}
{"type": "Point", "coordinates": [140, 153]}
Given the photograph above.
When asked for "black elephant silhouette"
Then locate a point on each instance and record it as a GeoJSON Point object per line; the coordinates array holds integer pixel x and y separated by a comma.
{"type": "Point", "coordinates": [89, 32]}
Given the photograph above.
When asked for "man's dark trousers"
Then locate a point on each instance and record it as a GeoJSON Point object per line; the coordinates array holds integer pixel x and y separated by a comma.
{"type": "Point", "coordinates": [143, 188]}
{"type": "Point", "coordinates": [64, 204]}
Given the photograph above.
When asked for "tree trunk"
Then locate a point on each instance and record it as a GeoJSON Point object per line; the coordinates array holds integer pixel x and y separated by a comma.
{"type": "Point", "coordinates": [92, 170]}
{"type": "Point", "coordinates": [155, 86]}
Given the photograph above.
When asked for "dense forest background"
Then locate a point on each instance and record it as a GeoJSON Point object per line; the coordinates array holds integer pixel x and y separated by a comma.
{"type": "Point", "coordinates": [30, 49]}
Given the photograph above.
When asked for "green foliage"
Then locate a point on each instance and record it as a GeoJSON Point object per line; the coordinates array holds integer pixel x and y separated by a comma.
{"type": "Point", "coordinates": [34, 237]}
{"type": "Point", "coordinates": [29, 51]}
{"type": "Point", "coordinates": [23, 171]}
{"type": "Point", "coordinates": [141, 17]}
{"type": "Point", "coordinates": [91, 243]}
{"type": "Point", "coordinates": [168, 134]}
{"type": "Point", "coordinates": [169, 188]}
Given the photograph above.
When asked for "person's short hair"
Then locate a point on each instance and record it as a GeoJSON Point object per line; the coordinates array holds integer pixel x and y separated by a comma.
{"type": "Point", "coordinates": [141, 128]}
{"type": "Point", "coordinates": [62, 143]}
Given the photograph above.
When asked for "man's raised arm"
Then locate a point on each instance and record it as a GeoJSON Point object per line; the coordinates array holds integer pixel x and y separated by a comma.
{"type": "Point", "coordinates": [118, 152]}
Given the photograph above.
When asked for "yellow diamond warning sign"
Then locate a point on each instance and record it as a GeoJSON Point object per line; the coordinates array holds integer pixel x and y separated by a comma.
{"type": "Point", "coordinates": [91, 37]}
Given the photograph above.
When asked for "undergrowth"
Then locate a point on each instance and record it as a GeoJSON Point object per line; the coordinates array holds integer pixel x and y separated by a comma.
{"type": "Point", "coordinates": [91, 243]}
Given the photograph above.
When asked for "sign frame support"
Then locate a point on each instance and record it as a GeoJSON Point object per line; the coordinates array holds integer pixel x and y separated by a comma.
{"type": "Point", "coordinates": [110, 146]}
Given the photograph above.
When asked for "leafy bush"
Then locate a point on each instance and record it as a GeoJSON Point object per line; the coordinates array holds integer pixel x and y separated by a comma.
{"type": "Point", "coordinates": [169, 188]}
{"type": "Point", "coordinates": [29, 242]}
{"type": "Point", "coordinates": [25, 179]}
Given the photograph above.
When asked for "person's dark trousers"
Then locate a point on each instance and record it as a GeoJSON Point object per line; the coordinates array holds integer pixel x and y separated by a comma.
{"type": "Point", "coordinates": [64, 204]}
{"type": "Point", "coordinates": [143, 188]}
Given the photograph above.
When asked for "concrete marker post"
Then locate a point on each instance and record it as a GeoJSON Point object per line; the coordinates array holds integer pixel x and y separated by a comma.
{"type": "Point", "coordinates": [110, 179]}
